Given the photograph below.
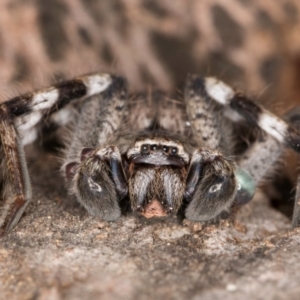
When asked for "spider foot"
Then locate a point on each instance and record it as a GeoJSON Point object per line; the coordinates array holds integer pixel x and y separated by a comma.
{"type": "Point", "coordinates": [215, 185]}
{"type": "Point", "coordinates": [98, 181]}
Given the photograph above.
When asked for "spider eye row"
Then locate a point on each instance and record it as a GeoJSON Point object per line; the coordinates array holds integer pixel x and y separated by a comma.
{"type": "Point", "coordinates": [146, 149]}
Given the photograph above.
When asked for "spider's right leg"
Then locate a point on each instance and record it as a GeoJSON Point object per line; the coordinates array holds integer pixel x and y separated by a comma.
{"type": "Point", "coordinates": [260, 157]}
{"type": "Point", "coordinates": [211, 185]}
{"type": "Point", "coordinates": [93, 166]}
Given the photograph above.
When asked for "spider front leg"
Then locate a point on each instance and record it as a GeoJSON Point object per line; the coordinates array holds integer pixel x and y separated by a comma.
{"type": "Point", "coordinates": [214, 182]}
{"type": "Point", "coordinates": [20, 116]}
{"type": "Point", "coordinates": [211, 185]}
{"type": "Point", "coordinates": [260, 157]}
{"type": "Point", "coordinates": [93, 165]}
{"type": "Point", "coordinates": [99, 182]}
{"type": "Point", "coordinates": [16, 178]}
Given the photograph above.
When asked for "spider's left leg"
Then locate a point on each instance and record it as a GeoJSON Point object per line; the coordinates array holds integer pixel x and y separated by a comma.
{"type": "Point", "coordinates": [211, 185]}
{"type": "Point", "coordinates": [17, 190]}
{"type": "Point", "coordinates": [258, 159]}
{"type": "Point", "coordinates": [296, 213]}
{"type": "Point", "coordinates": [21, 115]}
{"type": "Point", "coordinates": [17, 182]}
{"type": "Point", "coordinates": [94, 165]}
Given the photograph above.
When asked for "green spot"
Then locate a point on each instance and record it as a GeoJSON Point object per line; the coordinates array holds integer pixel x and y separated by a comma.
{"type": "Point", "coordinates": [246, 187]}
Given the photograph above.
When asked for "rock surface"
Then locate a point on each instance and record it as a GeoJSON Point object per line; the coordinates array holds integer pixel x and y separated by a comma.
{"type": "Point", "coordinates": [58, 251]}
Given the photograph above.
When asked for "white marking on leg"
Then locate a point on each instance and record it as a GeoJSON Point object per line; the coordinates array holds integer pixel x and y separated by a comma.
{"type": "Point", "coordinates": [273, 126]}
{"type": "Point", "coordinates": [45, 100]}
{"type": "Point", "coordinates": [29, 136]}
{"type": "Point", "coordinates": [62, 117]}
{"type": "Point", "coordinates": [96, 83]}
{"type": "Point", "coordinates": [233, 115]}
{"type": "Point", "coordinates": [215, 188]}
{"type": "Point", "coordinates": [196, 157]}
{"type": "Point", "coordinates": [26, 122]}
{"type": "Point", "coordinates": [218, 90]}
{"type": "Point", "coordinates": [109, 152]}
{"type": "Point", "coordinates": [94, 186]}
{"type": "Point", "coordinates": [204, 155]}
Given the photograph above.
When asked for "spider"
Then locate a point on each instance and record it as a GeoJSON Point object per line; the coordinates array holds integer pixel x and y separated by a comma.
{"type": "Point", "coordinates": [160, 156]}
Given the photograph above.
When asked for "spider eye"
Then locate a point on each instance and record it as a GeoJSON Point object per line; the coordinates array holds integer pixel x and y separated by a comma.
{"type": "Point", "coordinates": [153, 147]}
{"type": "Point", "coordinates": [145, 149]}
{"type": "Point", "coordinates": [165, 148]}
{"type": "Point", "coordinates": [174, 150]}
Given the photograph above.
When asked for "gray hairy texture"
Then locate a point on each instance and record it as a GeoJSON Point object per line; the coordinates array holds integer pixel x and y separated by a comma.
{"type": "Point", "coordinates": [215, 190]}
{"type": "Point", "coordinates": [96, 124]}
{"type": "Point", "coordinates": [208, 124]}
{"type": "Point", "coordinates": [95, 190]}
{"type": "Point", "coordinates": [146, 184]}
{"type": "Point", "coordinates": [99, 117]}
{"type": "Point", "coordinates": [260, 159]}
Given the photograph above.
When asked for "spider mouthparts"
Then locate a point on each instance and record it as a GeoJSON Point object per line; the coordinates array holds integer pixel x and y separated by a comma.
{"type": "Point", "coordinates": [154, 209]}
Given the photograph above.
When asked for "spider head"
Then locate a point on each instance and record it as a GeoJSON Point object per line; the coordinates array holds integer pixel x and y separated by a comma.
{"type": "Point", "coordinates": [157, 175]}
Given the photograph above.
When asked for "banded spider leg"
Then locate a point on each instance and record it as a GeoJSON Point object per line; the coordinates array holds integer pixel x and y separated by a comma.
{"type": "Point", "coordinates": [212, 183]}
{"type": "Point", "coordinates": [260, 157]}
{"type": "Point", "coordinates": [19, 118]}
{"type": "Point", "coordinates": [93, 165]}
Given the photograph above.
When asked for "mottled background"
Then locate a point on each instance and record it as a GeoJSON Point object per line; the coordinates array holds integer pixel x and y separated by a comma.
{"type": "Point", "coordinates": [57, 250]}
{"type": "Point", "coordinates": [254, 45]}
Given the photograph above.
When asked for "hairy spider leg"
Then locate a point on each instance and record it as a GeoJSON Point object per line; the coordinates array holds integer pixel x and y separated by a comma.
{"type": "Point", "coordinates": [206, 121]}
{"type": "Point", "coordinates": [19, 116]}
{"type": "Point", "coordinates": [97, 177]}
{"type": "Point", "coordinates": [17, 188]}
{"type": "Point", "coordinates": [255, 114]}
{"type": "Point", "coordinates": [30, 109]}
{"type": "Point", "coordinates": [211, 185]}
{"type": "Point", "coordinates": [296, 212]}
{"type": "Point", "coordinates": [261, 156]}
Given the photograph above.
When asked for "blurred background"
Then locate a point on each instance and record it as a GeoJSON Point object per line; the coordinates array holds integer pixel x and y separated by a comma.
{"type": "Point", "coordinates": [252, 44]}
